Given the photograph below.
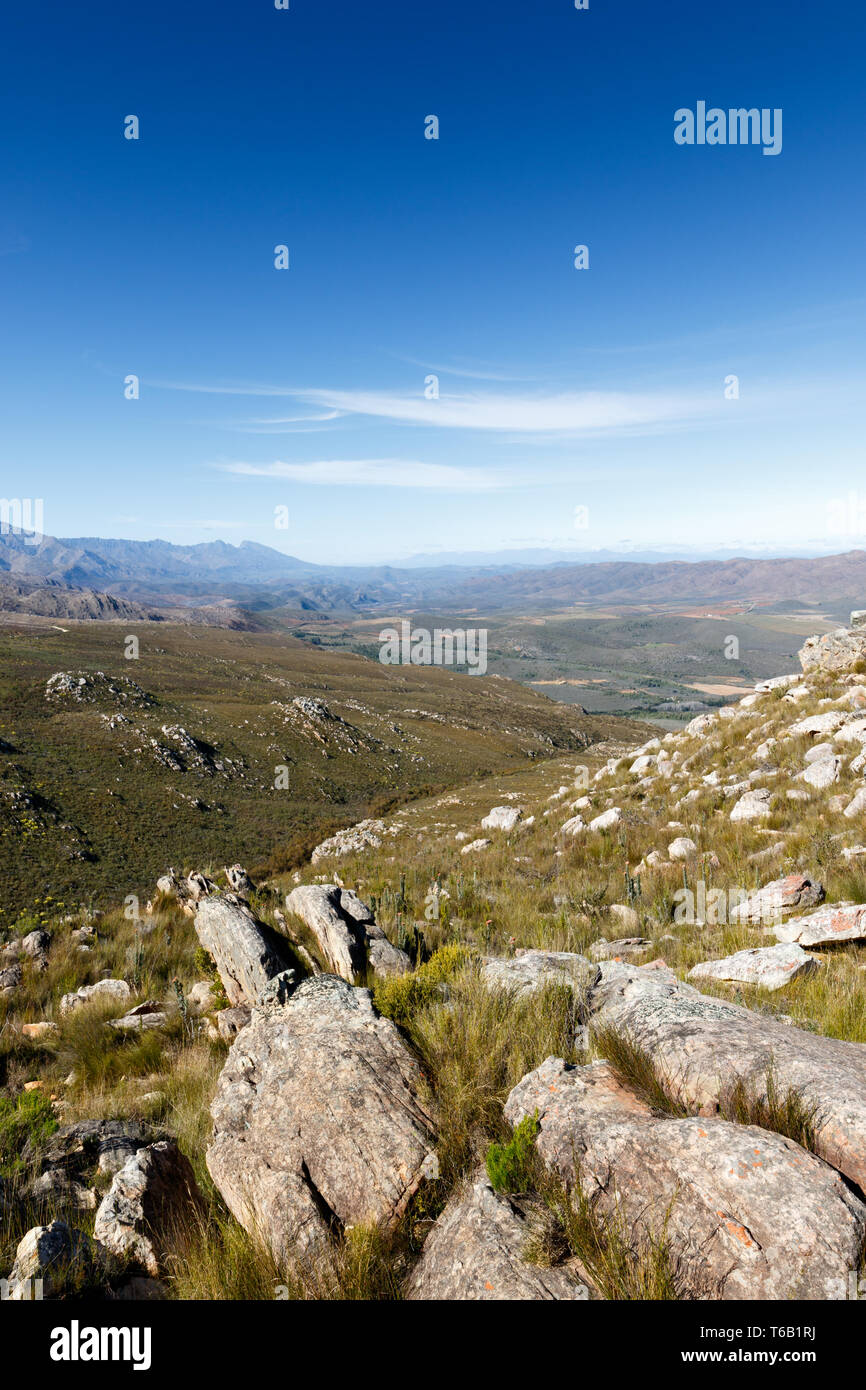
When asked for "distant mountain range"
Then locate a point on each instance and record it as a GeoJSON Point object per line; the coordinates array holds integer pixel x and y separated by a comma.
{"type": "Point", "coordinates": [93, 577]}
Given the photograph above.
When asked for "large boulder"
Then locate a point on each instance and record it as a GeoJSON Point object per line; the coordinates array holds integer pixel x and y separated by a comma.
{"type": "Point", "coordinates": [770, 967]}
{"type": "Point", "coordinates": [700, 1045]}
{"type": "Point", "coordinates": [318, 1118]}
{"type": "Point", "coordinates": [747, 1214]}
{"type": "Point", "coordinates": [502, 818]}
{"type": "Point", "coordinates": [248, 953]}
{"type": "Point", "coordinates": [476, 1252]}
{"type": "Point", "coordinates": [152, 1192]}
{"type": "Point", "coordinates": [344, 928]}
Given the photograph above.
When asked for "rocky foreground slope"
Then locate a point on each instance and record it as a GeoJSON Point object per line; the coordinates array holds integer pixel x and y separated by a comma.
{"type": "Point", "coordinates": [596, 1030]}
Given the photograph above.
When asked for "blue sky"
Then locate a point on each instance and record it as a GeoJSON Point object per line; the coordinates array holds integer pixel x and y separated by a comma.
{"type": "Point", "coordinates": [599, 389]}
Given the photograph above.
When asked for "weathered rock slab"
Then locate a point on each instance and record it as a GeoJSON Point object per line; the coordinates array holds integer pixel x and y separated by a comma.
{"type": "Point", "coordinates": [747, 1213]}
{"type": "Point", "coordinates": [348, 937]}
{"type": "Point", "coordinates": [318, 1118]}
{"type": "Point", "coordinates": [147, 1195]}
{"type": "Point", "coordinates": [700, 1045]}
{"type": "Point", "coordinates": [528, 971]}
{"type": "Point", "coordinates": [769, 967]}
{"type": "Point", "coordinates": [248, 953]}
{"type": "Point", "coordinates": [782, 895]}
{"type": "Point", "coordinates": [830, 925]}
{"type": "Point", "coordinates": [476, 1253]}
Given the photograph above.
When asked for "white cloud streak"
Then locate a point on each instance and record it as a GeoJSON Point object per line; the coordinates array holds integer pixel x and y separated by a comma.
{"type": "Point", "coordinates": [403, 473]}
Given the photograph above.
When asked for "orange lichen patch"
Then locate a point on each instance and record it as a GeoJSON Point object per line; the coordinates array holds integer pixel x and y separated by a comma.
{"type": "Point", "coordinates": [702, 1133]}
{"type": "Point", "coordinates": [736, 1230]}
{"type": "Point", "coordinates": [488, 1285]}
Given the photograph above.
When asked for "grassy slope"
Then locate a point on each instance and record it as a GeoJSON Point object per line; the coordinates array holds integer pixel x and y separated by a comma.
{"type": "Point", "coordinates": [88, 812]}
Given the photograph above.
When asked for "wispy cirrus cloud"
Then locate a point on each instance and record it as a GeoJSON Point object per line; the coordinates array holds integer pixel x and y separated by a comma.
{"type": "Point", "coordinates": [565, 413]}
{"type": "Point", "coordinates": [568, 413]}
{"type": "Point", "coordinates": [403, 473]}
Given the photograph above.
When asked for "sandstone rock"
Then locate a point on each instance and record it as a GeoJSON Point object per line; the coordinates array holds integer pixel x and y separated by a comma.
{"type": "Point", "coordinates": [152, 1191]}
{"type": "Point", "coordinates": [624, 916]}
{"type": "Point", "coordinates": [67, 1159]}
{"type": "Point", "coordinates": [54, 1254]}
{"type": "Point", "coordinates": [856, 806]}
{"type": "Point", "coordinates": [44, 1029]}
{"type": "Point", "coordinates": [818, 724]}
{"type": "Point", "coordinates": [747, 1213]}
{"type": "Point", "coordinates": [834, 923]}
{"type": "Point", "coordinates": [642, 764]}
{"type": "Point", "coordinates": [104, 992]}
{"type": "Point", "coordinates": [171, 885]}
{"type": "Point", "coordinates": [823, 773]}
{"type": "Point", "coordinates": [202, 998]}
{"type": "Point", "coordinates": [36, 945]}
{"type": "Point", "coordinates": [817, 752]}
{"type": "Point", "coordinates": [782, 895]}
{"type": "Point", "coordinates": [626, 948]}
{"type": "Point", "coordinates": [318, 1121]}
{"type": "Point", "coordinates": [777, 683]}
{"type": "Point", "coordinates": [834, 651]}
{"type": "Point", "coordinates": [607, 820]}
{"type": "Point", "coordinates": [366, 834]}
{"type": "Point", "coordinates": [528, 971]}
{"type": "Point", "coordinates": [682, 848]}
{"type": "Point", "coordinates": [573, 827]}
{"type": "Point", "coordinates": [702, 1044]}
{"type": "Point", "coordinates": [248, 953]}
{"type": "Point", "coordinates": [10, 980]}
{"type": "Point", "coordinates": [502, 818]}
{"type": "Point", "coordinates": [144, 1016]}
{"type": "Point", "coordinates": [200, 887]}
{"type": "Point", "coordinates": [475, 1253]}
{"type": "Point", "coordinates": [475, 845]}
{"type": "Point", "coordinates": [700, 724]}
{"type": "Point", "coordinates": [349, 939]}
{"type": "Point", "coordinates": [239, 881]}
{"type": "Point", "coordinates": [229, 1022]}
{"type": "Point", "coordinates": [753, 805]}
{"type": "Point", "coordinates": [770, 967]}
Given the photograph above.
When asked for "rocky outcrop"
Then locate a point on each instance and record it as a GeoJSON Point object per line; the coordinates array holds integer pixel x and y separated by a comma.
{"type": "Point", "coordinates": [769, 967]}
{"type": "Point", "coordinates": [476, 1252]}
{"type": "Point", "coordinates": [248, 953]}
{"type": "Point", "coordinates": [746, 1213]}
{"type": "Point", "coordinates": [833, 651]}
{"type": "Point", "coordinates": [700, 1045]}
{"type": "Point", "coordinates": [366, 834]}
{"type": "Point", "coordinates": [318, 1119]}
{"type": "Point", "coordinates": [153, 1190]}
{"type": "Point", "coordinates": [348, 938]}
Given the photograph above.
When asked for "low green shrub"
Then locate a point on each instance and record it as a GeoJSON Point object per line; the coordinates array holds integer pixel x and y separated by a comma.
{"type": "Point", "coordinates": [511, 1166]}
